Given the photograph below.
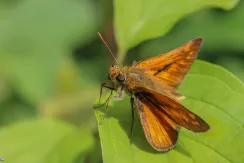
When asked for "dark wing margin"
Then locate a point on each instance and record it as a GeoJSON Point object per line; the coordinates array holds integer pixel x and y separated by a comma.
{"type": "Point", "coordinates": [159, 130]}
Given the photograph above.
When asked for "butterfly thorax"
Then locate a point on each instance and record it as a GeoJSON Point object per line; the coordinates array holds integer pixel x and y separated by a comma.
{"type": "Point", "coordinates": [129, 79]}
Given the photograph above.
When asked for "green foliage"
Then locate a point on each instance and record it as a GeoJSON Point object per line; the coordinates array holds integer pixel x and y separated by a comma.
{"type": "Point", "coordinates": [40, 33]}
{"type": "Point", "coordinates": [51, 64]}
{"type": "Point", "coordinates": [212, 93]}
{"type": "Point", "coordinates": [143, 20]}
{"type": "Point", "coordinates": [220, 30]}
{"type": "Point", "coordinates": [224, 34]}
{"type": "Point", "coordinates": [45, 140]}
{"type": "Point", "coordinates": [37, 39]}
{"type": "Point", "coordinates": [14, 111]}
{"type": "Point", "coordinates": [209, 89]}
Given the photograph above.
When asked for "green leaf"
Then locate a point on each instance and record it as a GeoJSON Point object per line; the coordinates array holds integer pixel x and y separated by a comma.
{"type": "Point", "coordinates": [36, 36]}
{"type": "Point", "coordinates": [140, 20]}
{"type": "Point", "coordinates": [43, 141]}
{"type": "Point", "coordinates": [216, 22]}
{"type": "Point", "coordinates": [212, 93]}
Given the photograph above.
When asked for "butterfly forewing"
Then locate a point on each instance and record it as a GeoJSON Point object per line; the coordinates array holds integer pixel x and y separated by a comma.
{"type": "Point", "coordinates": [171, 67]}
{"type": "Point", "coordinates": [160, 131]}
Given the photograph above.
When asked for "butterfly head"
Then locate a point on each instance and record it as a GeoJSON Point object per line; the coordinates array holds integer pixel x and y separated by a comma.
{"type": "Point", "coordinates": [116, 74]}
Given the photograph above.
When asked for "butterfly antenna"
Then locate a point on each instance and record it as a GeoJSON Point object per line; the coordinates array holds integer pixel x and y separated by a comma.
{"type": "Point", "coordinates": [101, 37]}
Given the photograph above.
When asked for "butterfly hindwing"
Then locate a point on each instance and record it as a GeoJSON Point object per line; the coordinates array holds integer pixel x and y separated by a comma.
{"type": "Point", "coordinates": [160, 131]}
{"type": "Point", "coordinates": [176, 112]}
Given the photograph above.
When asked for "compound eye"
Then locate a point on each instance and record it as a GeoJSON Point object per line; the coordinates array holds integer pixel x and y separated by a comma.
{"type": "Point", "coordinates": [120, 78]}
{"type": "Point", "coordinates": [109, 77]}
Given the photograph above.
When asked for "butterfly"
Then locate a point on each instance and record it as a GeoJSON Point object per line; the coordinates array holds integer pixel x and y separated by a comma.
{"type": "Point", "coordinates": [151, 85]}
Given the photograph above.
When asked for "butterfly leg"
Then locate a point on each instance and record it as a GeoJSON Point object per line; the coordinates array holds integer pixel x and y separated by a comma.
{"type": "Point", "coordinates": [106, 112]}
{"type": "Point", "coordinates": [132, 117]}
{"type": "Point", "coordinates": [103, 85]}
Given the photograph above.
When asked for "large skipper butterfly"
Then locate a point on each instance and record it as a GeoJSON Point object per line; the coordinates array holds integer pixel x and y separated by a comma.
{"type": "Point", "coordinates": [151, 85]}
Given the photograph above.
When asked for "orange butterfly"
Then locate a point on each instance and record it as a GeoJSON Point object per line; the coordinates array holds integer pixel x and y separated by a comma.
{"type": "Point", "coordinates": [152, 85]}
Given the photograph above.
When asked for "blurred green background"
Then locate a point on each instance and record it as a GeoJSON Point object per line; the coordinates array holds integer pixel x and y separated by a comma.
{"type": "Point", "coordinates": [52, 63]}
